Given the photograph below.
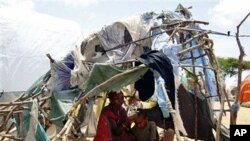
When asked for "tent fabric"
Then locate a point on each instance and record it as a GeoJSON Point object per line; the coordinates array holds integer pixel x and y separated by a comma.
{"type": "Point", "coordinates": [89, 120]}
{"type": "Point", "coordinates": [61, 101]}
{"type": "Point", "coordinates": [161, 63]}
{"type": "Point", "coordinates": [117, 34]}
{"type": "Point", "coordinates": [169, 49]}
{"type": "Point", "coordinates": [80, 71]}
{"type": "Point", "coordinates": [37, 86]}
{"type": "Point", "coordinates": [161, 100]}
{"type": "Point", "coordinates": [102, 72]}
{"type": "Point", "coordinates": [145, 86]}
{"type": "Point", "coordinates": [89, 52]}
{"type": "Point", "coordinates": [204, 127]}
{"type": "Point", "coordinates": [60, 74]}
{"type": "Point", "coordinates": [33, 90]}
{"type": "Point", "coordinates": [163, 73]}
{"type": "Point", "coordinates": [24, 43]}
{"type": "Point", "coordinates": [245, 90]}
{"type": "Point", "coordinates": [209, 75]}
{"type": "Point", "coordinates": [35, 131]}
{"type": "Point", "coordinates": [137, 25]}
{"type": "Point", "coordinates": [68, 60]}
{"type": "Point", "coordinates": [160, 114]}
{"type": "Point", "coordinates": [231, 82]}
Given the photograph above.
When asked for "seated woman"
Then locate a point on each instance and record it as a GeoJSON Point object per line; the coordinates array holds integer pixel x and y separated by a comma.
{"type": "Point", "coordinates": [143, 129]}
{"type": "Point", "coordinates": [113, 122]}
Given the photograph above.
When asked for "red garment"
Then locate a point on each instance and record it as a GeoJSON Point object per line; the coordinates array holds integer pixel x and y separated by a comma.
{"type": "Point", "coordinates": [103, 132]}
{"type": "Point", "coordinates": [104, 129]}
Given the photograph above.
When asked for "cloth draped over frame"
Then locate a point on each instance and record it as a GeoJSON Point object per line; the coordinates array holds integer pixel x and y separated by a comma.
{"type": "Point", "coordinates": [158, 61]}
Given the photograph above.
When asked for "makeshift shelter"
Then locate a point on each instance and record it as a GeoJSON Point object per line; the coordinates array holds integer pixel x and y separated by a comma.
{"type": "Point", "coordinates": [231, 82]}
{"type": "Point", "coordinates": [245, 90]}
{"type": "Point", "coordinates": [130, 53]}
{"type": "Point", "coordinates": [24, 43]}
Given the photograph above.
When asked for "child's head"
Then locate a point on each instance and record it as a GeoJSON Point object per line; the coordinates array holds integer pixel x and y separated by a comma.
{"type": "Point", "coordinates": [132, 100]}
{"type": "Point", "coordinates": [141, 119]}
{"type": "Point", "coordinates": [116, 98]}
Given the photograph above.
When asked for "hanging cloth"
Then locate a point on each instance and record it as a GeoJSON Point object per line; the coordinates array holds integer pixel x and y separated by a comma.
{"type": "Point", "coordinates": [158, 61]}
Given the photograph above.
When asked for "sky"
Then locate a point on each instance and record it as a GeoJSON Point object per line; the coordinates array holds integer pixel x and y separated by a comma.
{"type": "Point", "coordinates": [91, 15]}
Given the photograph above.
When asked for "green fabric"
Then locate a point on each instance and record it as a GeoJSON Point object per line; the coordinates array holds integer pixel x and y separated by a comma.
{"type": "Point", "coordinates": [25, 122]}
{"type": "Point", "coordinates": [41, 134]}
{"type": "Point", "coordinates": [33, 90]}
{"type": "Point", "coordinates": [36, 87]}
{"type": "Point", "coordinates": [102, 72]}
{"type": "Point", "coordinates": [61, 103]}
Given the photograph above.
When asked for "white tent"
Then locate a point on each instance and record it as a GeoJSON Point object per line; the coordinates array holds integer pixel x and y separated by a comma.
{"type": "Point", "coordinates": [231, 82]}
{"type": "Point", "coordinates": [25, 39]}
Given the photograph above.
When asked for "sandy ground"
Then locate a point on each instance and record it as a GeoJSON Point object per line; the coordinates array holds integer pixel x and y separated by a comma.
{"type": "Point", "coordinates": [243, 116]}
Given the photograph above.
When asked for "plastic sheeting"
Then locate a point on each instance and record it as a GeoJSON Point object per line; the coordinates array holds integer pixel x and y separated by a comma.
{"type": "Point", "coordinates": [61, 102]}
{"type": "Point", "coordinates": [231, 82]}
{"type": "Point", "coordinates": [161, 97]}
{"type": "Point", "coordinates": [29, 117]}
{"type": "Point", "coordinates": [60, 76]}
{"type": "Point", "coordinates": [115, 35]}
{"type": "Point", "coordinates": [245, 90]}
{"type": "Point", "coordinates": [25, 39]}
{"type": "Point", "coordinates": [36, 131]}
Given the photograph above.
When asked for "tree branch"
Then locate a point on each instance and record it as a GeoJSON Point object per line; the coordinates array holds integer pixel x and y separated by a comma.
{"type": "Point", "coordinates": [240, 65]}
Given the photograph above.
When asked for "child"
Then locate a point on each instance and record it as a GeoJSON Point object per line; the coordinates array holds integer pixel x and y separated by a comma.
{"type": "Point", "coordinates": [133, 105]}
{"type": "Point", "coordinates": [143, 129]}
{"type": "Point", "coordinates": [113, 122]}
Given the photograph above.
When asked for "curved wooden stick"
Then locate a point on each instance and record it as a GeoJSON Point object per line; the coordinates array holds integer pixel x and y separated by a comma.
{"type": "Point", "coordinates": [50, 58]}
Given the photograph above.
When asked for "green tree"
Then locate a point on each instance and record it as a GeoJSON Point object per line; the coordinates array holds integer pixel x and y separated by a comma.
{"type": "Point", "coordinates": [229, 66]}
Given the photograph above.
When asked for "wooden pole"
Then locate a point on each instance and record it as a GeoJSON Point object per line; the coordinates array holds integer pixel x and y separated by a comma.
{"type": "Point", "coordinates": [18, 98]}
{"type": "Point", "coordinates": [171, 111]}
{"type": "Point", "coordinates": [59, 135]}
{"type": "Point", "coordinates": [21, 102]}
{"type": "Point", "coordinates": [240, 65]}
{"type": "Point", "coordinates": [10, 137]}
{"type": "Point", "coordinates": [7, 130]}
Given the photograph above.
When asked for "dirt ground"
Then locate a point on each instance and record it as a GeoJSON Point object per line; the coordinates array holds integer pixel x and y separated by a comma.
{"type": "Point", "coordinates": [243, 116]}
